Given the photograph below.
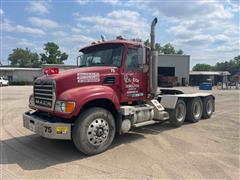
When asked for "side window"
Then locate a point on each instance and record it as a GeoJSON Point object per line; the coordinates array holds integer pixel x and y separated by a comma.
{"type": "Point", "coordinates": [132, 59]}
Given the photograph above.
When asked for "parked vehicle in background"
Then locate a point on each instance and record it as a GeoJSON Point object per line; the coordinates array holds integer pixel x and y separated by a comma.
{"type": "Point", "coordinates": [113, 90]}
{"type": "Point", "coordinates": [4, 81]}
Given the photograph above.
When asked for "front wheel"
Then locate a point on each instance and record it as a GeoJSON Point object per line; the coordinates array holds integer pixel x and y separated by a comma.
{"type": "Point", "coordinates": [94, 131]}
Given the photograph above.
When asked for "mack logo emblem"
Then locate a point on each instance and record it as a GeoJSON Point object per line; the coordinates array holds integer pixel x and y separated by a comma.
{"type": "Point", "coordinates": [46, 103]}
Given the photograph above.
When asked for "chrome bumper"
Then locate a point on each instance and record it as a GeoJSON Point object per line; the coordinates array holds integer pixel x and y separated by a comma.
{"type": "Point", "coordinates": [50, 130]}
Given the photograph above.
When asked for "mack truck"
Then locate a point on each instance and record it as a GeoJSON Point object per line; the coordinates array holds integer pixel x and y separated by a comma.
{"type": "Point", "coordinates": [113, 90]}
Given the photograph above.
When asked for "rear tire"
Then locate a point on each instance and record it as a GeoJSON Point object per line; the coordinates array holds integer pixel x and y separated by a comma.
{"type": "Point", "coordinates": [194, 109]}
{"type": "Point", "coordinates": [177, 115]}
{"type": "Point", "coordinates": [208, 107]}
{"type": "Point", "coordinates": [94, 131]}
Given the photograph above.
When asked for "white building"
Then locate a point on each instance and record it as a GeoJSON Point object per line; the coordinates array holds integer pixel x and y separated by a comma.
{"type": "Point", "coordinates": [15, 74]}
{"type": "Point", "coordinates": [174, 66]}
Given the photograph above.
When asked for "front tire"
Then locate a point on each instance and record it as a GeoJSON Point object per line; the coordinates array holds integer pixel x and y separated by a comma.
{"type": "Point", "coordinates": [177, 115]}
{"type": "Point", "coordinates": [94, 131]}
{"type": "Point", "coordinates": [194, 109]}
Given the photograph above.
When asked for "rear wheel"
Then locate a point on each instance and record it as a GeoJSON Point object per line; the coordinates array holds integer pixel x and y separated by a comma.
{"type": "Point", "coordinates": [194, 109]}
{"type": "Point", "coordinates": [177, 115]}
{"type": "Point", "coordinates": [208, 106]}
{"type": "Point", "coordinates": [94, 131]}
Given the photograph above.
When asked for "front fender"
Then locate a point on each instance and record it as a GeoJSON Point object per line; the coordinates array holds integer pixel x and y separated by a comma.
{"type": "Point", "coordinates": [82, 95]}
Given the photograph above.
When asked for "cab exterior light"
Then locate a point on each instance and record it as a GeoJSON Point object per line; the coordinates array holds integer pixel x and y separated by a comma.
{"type": "Point", "coordinates": [65, 106]}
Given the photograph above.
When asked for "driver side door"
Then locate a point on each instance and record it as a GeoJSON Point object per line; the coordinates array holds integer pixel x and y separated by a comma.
{"type": "Point", "coordinates": [134, 80]}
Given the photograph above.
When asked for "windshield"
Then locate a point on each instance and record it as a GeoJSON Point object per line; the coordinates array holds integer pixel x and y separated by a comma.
{"type": "Point", "coordinates": [105, 55]}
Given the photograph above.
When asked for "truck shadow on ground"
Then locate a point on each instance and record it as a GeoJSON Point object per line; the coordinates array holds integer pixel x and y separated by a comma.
{"type": "Point", "coordinates": [34, 152]}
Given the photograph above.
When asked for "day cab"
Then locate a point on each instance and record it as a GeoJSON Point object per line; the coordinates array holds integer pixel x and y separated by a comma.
{"type": "Point", "coordinates": [113, 90]}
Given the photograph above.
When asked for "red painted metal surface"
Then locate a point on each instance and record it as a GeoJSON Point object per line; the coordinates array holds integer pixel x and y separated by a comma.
{"type": "Point", "coordinates": [87, 83]}
{"type": "Point", "coordinates": [51, 70]}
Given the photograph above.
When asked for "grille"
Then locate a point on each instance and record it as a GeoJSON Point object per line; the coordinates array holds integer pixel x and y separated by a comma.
{"type": "Point", "coordinates": [44, 93]}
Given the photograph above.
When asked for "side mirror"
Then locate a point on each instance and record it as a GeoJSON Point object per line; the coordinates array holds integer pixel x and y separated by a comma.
{"type": "Point", "coordinates": [141, 60]}
{"type": "Point", "coordinates": [79, 58]}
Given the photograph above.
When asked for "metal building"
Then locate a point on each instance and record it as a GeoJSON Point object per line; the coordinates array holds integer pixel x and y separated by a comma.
{"type": "Point", "coordinates": [198, 77]}
{"type": "Point", "coordinates": [14, 74]}
{"type": "Point", "coordinates": [173, 69]}
{"type": "Point", "coordinates": [28, 75]}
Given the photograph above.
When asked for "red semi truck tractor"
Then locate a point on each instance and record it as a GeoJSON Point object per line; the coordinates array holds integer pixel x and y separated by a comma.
{"type": "Point", "coordinates": [113, 90]}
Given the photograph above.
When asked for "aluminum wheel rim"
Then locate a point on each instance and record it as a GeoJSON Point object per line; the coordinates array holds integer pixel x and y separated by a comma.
{"type": "Point", "coordinates": [197, 109]}
{"type": "Point", "coordinates": [180, 112]}
{"type": "Point", "coordinates": [98, 131]}
{"type": "Point", "coordinates": [209, 107]}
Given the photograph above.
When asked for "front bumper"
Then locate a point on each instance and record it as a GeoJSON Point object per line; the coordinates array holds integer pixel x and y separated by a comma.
{"type": "Point", "coordinates": [42, 127]}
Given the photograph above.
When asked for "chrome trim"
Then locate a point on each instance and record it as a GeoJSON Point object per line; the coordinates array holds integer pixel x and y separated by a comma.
{"type": "Point", "coordinates": [44, 90]}
{"type": "Point", "coordinates": [52, 96]}
{"type": "Point", "coordinates": [41, 86]}
{"type": "Point", "coordinates": [43, 98]}
{"type": "Point", "coordinates": [45, 128]}
{"type": "Point", "coordinates": [43, 94]}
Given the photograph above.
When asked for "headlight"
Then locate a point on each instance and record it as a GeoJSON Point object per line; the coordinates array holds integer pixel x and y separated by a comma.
{"type": "Point", "coordinates": [65, 106]}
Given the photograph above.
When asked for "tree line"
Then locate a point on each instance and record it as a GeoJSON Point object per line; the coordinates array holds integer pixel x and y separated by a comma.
{"type": "Point", "coordinates": [25, 58]}
{"type": "Point", "coordinates": [232, 66]}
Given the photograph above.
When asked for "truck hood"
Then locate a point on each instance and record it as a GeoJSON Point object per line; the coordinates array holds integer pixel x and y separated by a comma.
{"type": "Point", "coordinates": [80, 77]}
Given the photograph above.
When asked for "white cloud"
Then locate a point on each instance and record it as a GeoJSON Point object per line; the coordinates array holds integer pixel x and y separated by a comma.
{"type": "Point", "coordinates": [39, 7]}
{"type": "Point", "coordinates": [71, 43]}
{"type": "Point", "coordinates": [25, 43]}
{"type": "Point", "coordinates": [234, 5]}
{"type": "Point", "coordinates": [80, 28]}
{"type": "Point", "coordinates": [1, 12]}
{"type": "Point", "coordinates": [76, 30]}
{"type": "Point", "coordinates": [197, 40]}
{"type": "Point", "coordinates": [112, 2]}
{"type": "Point", "coordinates": [227, 49]}
{"type": "Point", "coordinates": [77, 38]}
{"type": "Point", "coordinates": [81, 2]}
{"type": "Point", "coordinates": [200, 26]}
{"type": "Point", "coordinates": [44, 23]}
{"type": "Point", "coordinates": [182, 10]}
{"type": "Point", "coordinates": [60, 34]}
{"type": "Point", "coordinates": [9, 27]}
{"type": "Point", "coordinates": [120, 22]}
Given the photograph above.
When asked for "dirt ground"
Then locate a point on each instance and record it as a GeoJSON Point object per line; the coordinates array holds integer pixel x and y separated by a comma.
{"type": "Point", "coordinates": [208, 149]}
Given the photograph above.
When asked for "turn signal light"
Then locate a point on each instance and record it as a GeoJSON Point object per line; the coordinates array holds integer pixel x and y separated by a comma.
{"type": "Point", "coordinates": [70, 107]}
{"type": "Point", "coordinates": [65, 106]}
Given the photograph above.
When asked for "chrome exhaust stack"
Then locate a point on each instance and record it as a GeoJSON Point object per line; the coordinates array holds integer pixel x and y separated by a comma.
{"type": "Point", "coordinates": [153, 81]}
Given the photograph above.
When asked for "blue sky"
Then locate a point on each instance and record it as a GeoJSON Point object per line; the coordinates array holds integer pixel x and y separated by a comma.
{"type": "Point", "coordinates": [206, 30]}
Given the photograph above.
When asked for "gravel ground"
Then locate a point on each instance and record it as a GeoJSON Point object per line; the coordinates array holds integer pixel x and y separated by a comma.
{"type": "Point", "coordinates": [208, 149]}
